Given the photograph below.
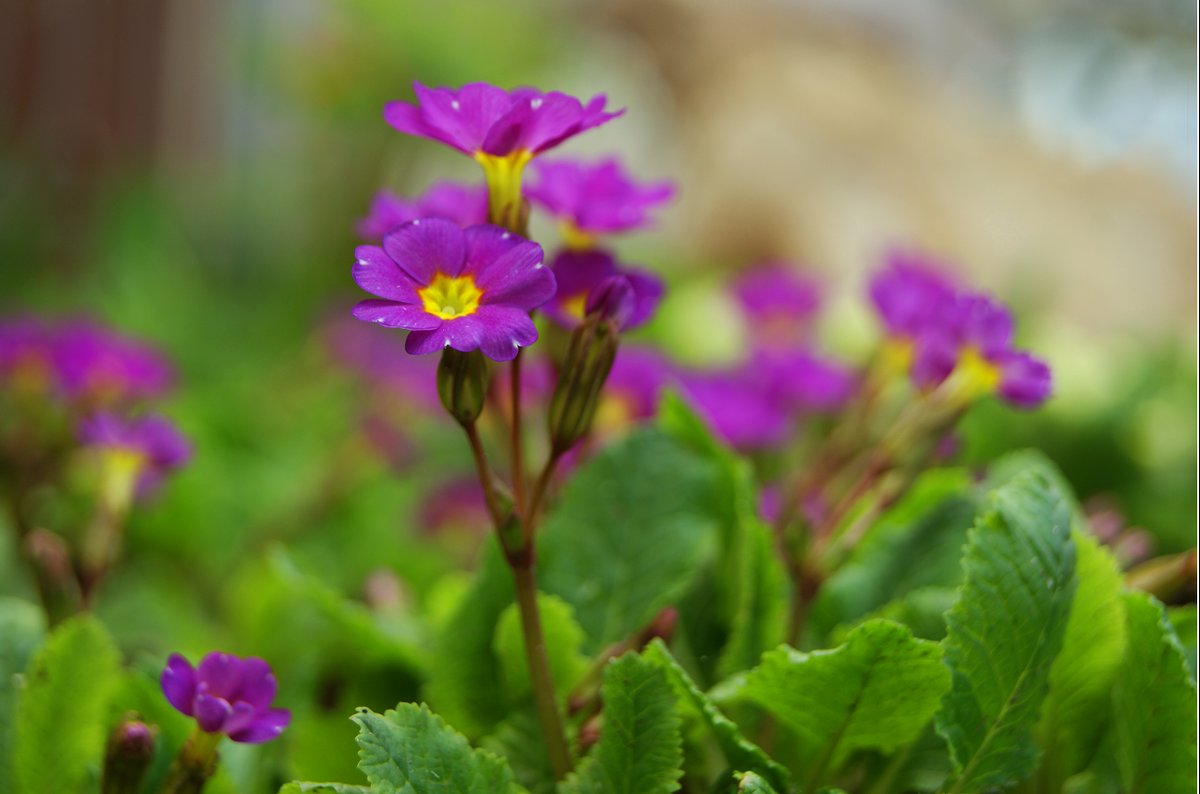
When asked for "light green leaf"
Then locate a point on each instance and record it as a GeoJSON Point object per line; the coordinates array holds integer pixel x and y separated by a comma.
{"type": "Point", "coordinates": [60, 729]}
{"type": "Point", "coordinates": [751, 783]}
{"type": "Point", "coordinates": [1154, 706]}
{"type": "Point", "coordinates": [923, 610]}
{"type": "Point", "coordinates": [411, 750]}
{"type": "Point", "coordinates": [629, 535]}
{"type": "Point", "coordinates": [563, 639]}
{"type": "Point", "coordinates": [1081, 678]}
{"type": "Point", "coordinates": [877, 691]}
{"type": "Point", "coordinates": [740, 752]}
{"type": "Point", "coordinates": [640, 748]}
{"type": "Point", "coordinates": [22, 628]}
{"type": "Point", "coordinates": [1183, 620]}
{"type": "Point", "coordinates": [1005, 631]}
{"type": "Point", "coordinates": [297, 787]}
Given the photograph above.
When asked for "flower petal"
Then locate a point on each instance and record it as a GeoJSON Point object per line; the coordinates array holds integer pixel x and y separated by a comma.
{"type": "Point", "coordinates": [503, 330]}
{"type": "Point", "coordinates": [378, 274]}
{"type": "Point", "coordinates": [390, 314]}
{"type": "Point", "coordinates": [241, 716]}
{"type": "Point", "coordinates": [508, 268]}
{"type": "Point", "coordinates": [220, 674]}
{"type": "Point", "coordinates": [179, 683]}
{"type": "Point", "coordinates": [648, 290]}
{"type": "Point", "coordinates": [211, 712]}
{"type": "Point", "coordinates": [258, 683]}
{"type": "Point", "coordinates": [464, 117]}
{"type": "Point", "coordinates": [1025, 380]}
{"type": "Point", "coordinates": [263, 729]}
{"type": "Point", "coordinates": [424, 248]}
{"type": "Point", "coordinates": [461, 333]}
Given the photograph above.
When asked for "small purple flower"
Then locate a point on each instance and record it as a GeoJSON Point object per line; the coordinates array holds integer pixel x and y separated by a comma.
{"type": "Point", "coordinates": [377, 357]}
{"type": "Point", "coordinates": [469, 289]}
{"type": "Point", "coordinates": [803, 381]}
{"type": "Point", "coordinates": [466, 205]}
{"type": "Point", "coordinates": [738, 409]}
{"type": "Point", "coordinates": [910, 294]}
{"type": "Point", "coordinates": [579, 273]}
{"type": "Point", "coordinates": [590, 199]}
{"type": "Point", "coordinates": [633, 389]}
{"type": "Point", "coordinates": [97, 366]}
{"type": "Point", "coordinates": [779, 303]}
{"type": "Point", "coordinates": [150, 446]}
{"type": "Point", "coordinates": [483, 120]}
{"type": "Point", "coordinates": [226, 695]}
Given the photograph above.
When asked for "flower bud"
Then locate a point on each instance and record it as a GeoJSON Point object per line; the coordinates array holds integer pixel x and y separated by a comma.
{"type": "Point", "coordinates": [588, 362]}
{"type": "Point", "coordinates": [462, 381]}
{"type": "Point", "coordinates": [612, 299]}
{"type": "Point", "coordinates": [128, 756]}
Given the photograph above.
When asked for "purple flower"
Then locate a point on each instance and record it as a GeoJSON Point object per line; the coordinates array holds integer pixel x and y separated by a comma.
{"type": "Point", "coordinates": [226, 695]}
{"type": "Point", "coordinates": [483, 120]}
{"type": "Point", "coordinates": [466, 205]}
{"type": "Point", "coordinates": [26, 353]}
{"type": "Point", "coordinates": [595, 198]}
{"type": "Point", "coordinates": [455, 504]}
{"type": "Point", "coordinates": [910, 294]}
{"type": "Point", "coordinates": [579, 273]}
{"type": "Point", "coordinates": [97, 366]}
{"type": "Point", "coordinates": [738, 409]}
{"type": "Point", "coordinates": [973, 343]}
{"type": "Point", "coordinates": [803, 381]}
{"type": "Point", "coordinates": [469, 289]}
{"type": "Point", "coordinates": [633, 389]}
{"type": "Point", "coordinates": [147, 446]}
{"type": "Point", "coordinates": [378, 358]}
{"type": "Point", "coordinates": [779, 303]}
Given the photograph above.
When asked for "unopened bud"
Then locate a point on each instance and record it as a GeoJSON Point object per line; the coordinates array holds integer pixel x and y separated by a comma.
{"type": "Point", "coordinates": [612, 299]}
{"type": "Point", "coordinates": [462, 381]}
{"type": "Point", "coordinates": [127, 758]}
{"type": "Point", "coordinates": [588, 362]}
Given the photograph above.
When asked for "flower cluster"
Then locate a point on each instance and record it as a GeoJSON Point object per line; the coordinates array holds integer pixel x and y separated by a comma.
{"type": "Point", "coordinates": [953, 339]}
{"type": "Point", "coordinates": [226, 695]}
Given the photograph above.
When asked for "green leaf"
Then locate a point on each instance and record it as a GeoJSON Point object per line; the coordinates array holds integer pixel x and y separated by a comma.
{"type": "Point", "coordinates": [877, 691]}
{"type": "Point", "coordinates": [1154, 706]}
{"type": "Point", "coordinates": [464, 680]}
{"type": "Point", "coordinates": [411, 750]}
{"type": "Point", "coordinates": [22, 628]}
{"type": "Point", "coordinates": [632, 529]}
{"type": "Point", "coordinates": [923, 610]}
{"type": "Point", "coordinates": [1183, 620]}
{"type": "Point", "coordinates": [640, 748]}
{"type": "Point", "coordinates": [60, 725]}
{"type": "Point", "coordinates": [296, 787]}
{"type": "Point", "coordinates": [1005, 631]}
{"type": "Point", "coordinates": [740, 752]}
{"type": "Point", "coordinates": [563, 640]}
{"type": "Point", "coordinates": [518, 740]}
{"type": "Point", "coordinates": [751, 783]}
{"type": "Point", "coordinates": [1081, 678]}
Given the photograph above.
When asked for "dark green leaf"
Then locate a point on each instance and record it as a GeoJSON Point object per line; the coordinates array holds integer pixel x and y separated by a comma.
{"type": "Point", "coordinates": [640, 749]}
{"type": "Point", "coordinates": [1005, 631]}
{"type": "Point", "coordinates": [322, 788]}
{"type": "Point", "coordinates": [750, 783]}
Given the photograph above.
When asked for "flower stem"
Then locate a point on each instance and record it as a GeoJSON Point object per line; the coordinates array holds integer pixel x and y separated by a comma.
{"type": "Point", "coordinates": [195, 764]}
{"type": "Point", "coordinates": [518, 462]}
{"type": "Point", "coordinates": [486, 480]}
{"type": "Point", "coordinates": [544, 696]}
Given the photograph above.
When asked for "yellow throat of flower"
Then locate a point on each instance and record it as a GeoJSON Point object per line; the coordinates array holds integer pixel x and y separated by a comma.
{"type": "Point", "coordinates": [450, 297]}
{"type": "Point", "coordinates": [503, 175]}
{"type": "Point", "coordinates": [575, 238]}
{"type": "Point", "coordinates": [973, 377]}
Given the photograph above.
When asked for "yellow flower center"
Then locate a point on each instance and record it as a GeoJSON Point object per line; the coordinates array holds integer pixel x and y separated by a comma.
{"type": "Point", "coordinates": [450, 297]}
{"type": "Point", "coordinates": [575, 238]}
{"type": "Point", "coordinates": [575, 305]}
{"type": "Point", "coordinates": [973, 377]}
{"type": "Point", "coordinates": [120, 469]}
{"type": "Point", "coordinates": [503, 175]}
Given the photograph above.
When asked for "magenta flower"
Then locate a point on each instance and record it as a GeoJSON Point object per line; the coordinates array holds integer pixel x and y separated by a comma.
{"type": "Point", "coordinates": [589, 199]}
{"type": "Point", "coordinates": [910, 294]}
{"type": "Point", "coordinates": [469, 289]}
{"type": "Point", "coordinates": [226, 695]}
{"type": "Point", "coordinates": [146, 448]}
{"type": "Point", "coordinates": [483, 120]}
{"type": "Point", "coordinates": [801, 380]}
{"type": "Point", "coordinates": [973, 343]}
{"type": "Point", "coordinates": [97, 366]}
{"type": "Point", "coordinates": [466, 205]}
{"type": "Point", "coordinates": [26, 353]}
{"type": "Point", "coordinates": [579, 273]}
{"type": "Point", "coordinates": [377, 357]}
{"type": "Point", "coordinates": [738, 409]}
{"type": "Point", "coordinates": [779, 303]}
{"type": "Point", "coordinates": [633, 389]}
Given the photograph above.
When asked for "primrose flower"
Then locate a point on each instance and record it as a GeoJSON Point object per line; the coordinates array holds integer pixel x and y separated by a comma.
{"type": "Point", "coordinates": [589, 199]}
{"type": "Point", "coordinates": [633, 389]}
{"type": "Point", "coordinates": [136, 452]}
{"type": "Point", "coordinates": [26, 354]}
{"type": "Point", "coordinates": [579, 273]}
{"type": "Point", "coordinates": [97, 366]}
{"type": "Point", "coordinates": [738, 408]}
{"type": "Point", "coordinates": [778, 303]}
{"type": "Point", "coordinates": [802, 380]}
{"type": "Point", "coordinates": [466, 205]}
{"type": "Point", "coordinates": [226, 695]}
{"type": "Point", "coordinates": [502, 130]}
{"type": "Point", "coordinates": [467, 289]}
{"type": "Point", "coordinates": [972, 351]}
{"type": "Point", "coordinates": [911, 296]}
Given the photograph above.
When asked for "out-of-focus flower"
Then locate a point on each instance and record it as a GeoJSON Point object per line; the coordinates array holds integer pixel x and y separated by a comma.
{"type": "Point", "coordinates": [971, 347]}
{"type": "Point", "coordinates": [456, 504]}
{"type": "Point", "coordinates": [633, 389]}
{"type": "Point", "coordinates": [96, 366]}
{"type": "Point", "coordinates": [227, 695]}
{"type": "Point", "coordinates": [26, 355]}
{"type": "Point", "coordinates": [136, 452]}
{"type": "Point", "coordinates": [590, 199]}
{"type": "Point", "coordinates": [801, 380]}
{"type": "Point", "coordinates": [502, 130]}
{"type": "Point", "coordinates": [469, 289]}
{"type": "Point", "coordinates": [738, 409]}
{"type": "Point", "coordinates": [911, 296]}
{"type": "Point", "coordinates": [779, 304]}
{"type": "Point", "coordinates": [378, 357]}
{"type": "Point", "coordinates": [464, 204]}
{"type": "Point", "coordinates": [578, 273]}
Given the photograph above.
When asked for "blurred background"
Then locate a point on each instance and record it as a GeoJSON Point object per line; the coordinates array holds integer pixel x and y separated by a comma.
{"type": "Point", "coordinates": [191, 173]}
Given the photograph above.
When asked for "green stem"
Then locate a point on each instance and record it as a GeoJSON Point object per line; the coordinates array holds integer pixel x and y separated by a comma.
{"type": "Point", "coordinates": [518, 456]}
{"type": "Point", "coordinates": [544, 696]}
{"type": "Point", "coordinates": [195, 764]}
